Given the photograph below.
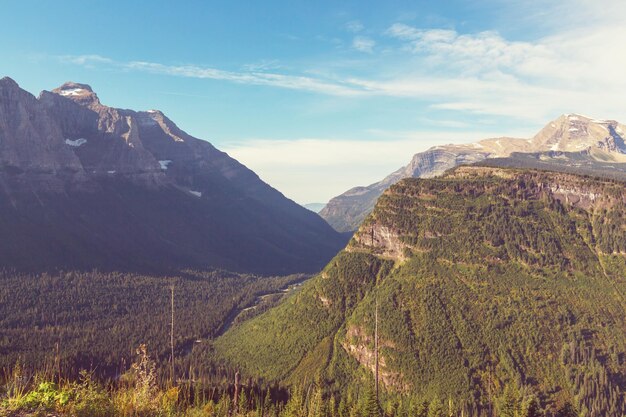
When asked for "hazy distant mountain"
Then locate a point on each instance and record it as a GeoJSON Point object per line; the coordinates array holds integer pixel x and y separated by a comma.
{"type": "Point", "coordinates": [600, 142]}
{"type": "Point", "coordinates": [85, 185]}
{"type": "Point", "coordinates": [315, 207]}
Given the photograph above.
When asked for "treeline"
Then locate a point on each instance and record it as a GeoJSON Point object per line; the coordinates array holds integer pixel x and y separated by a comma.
{"type": "Point", "coordinates": [93, 320]}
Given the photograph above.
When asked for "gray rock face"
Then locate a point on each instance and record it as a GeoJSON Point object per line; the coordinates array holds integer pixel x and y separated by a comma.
{"type": "Point", "coordinates": [32, 148]}
{"type": "Point", "coordinates": [106, 140]}
{"type": "Point", "coordinates": [602, 140]}
{"type": "Point", "coordinates": [346, 212]}
{"type": "Point", "coordinates": [85, 185]}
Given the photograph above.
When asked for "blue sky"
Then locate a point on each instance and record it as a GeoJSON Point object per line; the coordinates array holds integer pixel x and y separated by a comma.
{"type": "Point", "coordinates": [321, 96]}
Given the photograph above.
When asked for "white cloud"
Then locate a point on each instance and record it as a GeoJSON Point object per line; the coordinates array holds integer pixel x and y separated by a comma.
{"type": "Point", "coordinates": [363, 44]}
{"type": "Point", "coordinates": [89, 61]}
{"type": "Point", "coordinates": [293, 82]}
{"type": "Point", "coordinates": [354, 26]}
{"type": "Point", "coordinates": [468, 53]}
{"type": "Point", "coordinates": [315, 170]}
{"type": "Point", "coordinates": [578, 68]}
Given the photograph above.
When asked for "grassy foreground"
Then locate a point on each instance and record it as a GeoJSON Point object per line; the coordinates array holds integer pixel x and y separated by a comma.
{"type": "Point", "coordinates": [139, 393]}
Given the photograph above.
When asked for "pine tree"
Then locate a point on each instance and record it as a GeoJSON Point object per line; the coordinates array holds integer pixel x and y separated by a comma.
{"type": "Point", "coordinates": [222, 408]}
{"type": "Point", "coordinates": [422, 409]}
{"type": "Point", "coordinates": [371, 408]}
{"type": "Point", "coordinates": [343, 410]}
{"type": "Point", "coordinates": [508, 406]}
{"type": "Point", "coordinates": [567, 410]}
{"type": "Point", "coordinates": [267, 403]}
{"type": "Point", "coordinates": [435, 409]}
{"type": "Point", "coordinates": [242, 406]}
{"type": "Point", "coordinates": [391, 409]}
{"type": "Point", "coordinates": [295, 405]}
{"type": "Point", "coordinates": [530, 408]}
{"type": "Point", "coordinates": [316, 404]}
{"type": "Point", "coordinates": [332, 406]}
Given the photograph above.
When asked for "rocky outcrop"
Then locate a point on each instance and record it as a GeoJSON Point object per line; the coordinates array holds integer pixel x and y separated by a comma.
{"type": "Point", "coordinates": [360, 346]}
{"type": "Point", "coordinates": [111, 141]}
{"type": "Point", "coordinates": [380, 240]}
{"type": "Point", "coordinates": [33, 152]}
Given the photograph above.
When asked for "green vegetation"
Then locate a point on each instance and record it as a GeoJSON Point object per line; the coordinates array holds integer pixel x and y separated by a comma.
{"type": "Point", "coordinates": [139, 393]}
{"type": "Point", "coordinates": [300, 326]}
{"type": "Point", "coordinates": [500, 293]}
{"type": "Point", "coordinates": [507, 295]}
{"type": "Point", "coordinates": [71, 321]}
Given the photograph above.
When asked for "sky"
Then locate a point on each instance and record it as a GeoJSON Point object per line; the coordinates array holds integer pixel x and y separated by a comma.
{"type": "Point", "coordinates": [320, 96]}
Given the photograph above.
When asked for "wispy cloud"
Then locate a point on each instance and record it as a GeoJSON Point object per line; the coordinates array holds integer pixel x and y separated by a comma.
{"type": "Point", "coordinates": [252, 77]}
{"type": "Point", "coordinates": [354, 26]}
{"type": "Point", "coordinates": [481, 72]}
{"type": "Point", "coordinates": [295, 82]}
{"type": "Point", "coordinates": [363, 44]}
{"type": "Point", "coordinates": [89, 61]}
{"type": "Point", "coordinates": [480, 51]}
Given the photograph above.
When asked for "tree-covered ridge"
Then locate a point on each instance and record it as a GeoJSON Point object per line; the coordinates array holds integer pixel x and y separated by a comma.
{"type": "Point", "coordinates": [488, 278]}
{"type": "Point", "coordinates": [302, 326]}
{"type": "Point", "coordinates": [474, 213]}
{"type": "Point", "coordinates": [94, 320]}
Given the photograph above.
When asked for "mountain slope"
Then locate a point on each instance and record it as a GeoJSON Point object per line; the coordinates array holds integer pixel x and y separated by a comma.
{"type": "Point", "coordinates": [485, 278]}
{"type": "Point", "coordinates": [85, 185]}
{"type": "Point", "coordinates": [599, 142]}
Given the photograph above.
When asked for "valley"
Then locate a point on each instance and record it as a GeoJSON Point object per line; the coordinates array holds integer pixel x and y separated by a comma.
{"type": "Point", "coordinates": [313, 209]}
{"type": "Point", "coordinates": [496, 279]}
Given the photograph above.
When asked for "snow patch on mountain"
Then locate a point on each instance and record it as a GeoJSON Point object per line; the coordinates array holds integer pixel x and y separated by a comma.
{"type": "Point", "coordinates": [72, 92]}
{"type": "Point", "coordinates": [76, 143]}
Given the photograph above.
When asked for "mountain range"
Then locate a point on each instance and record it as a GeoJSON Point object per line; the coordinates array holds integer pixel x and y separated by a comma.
{"type": "Point", "coordinates": [84, 185]}
{"type": "Point", "coordinates": [571, 140]}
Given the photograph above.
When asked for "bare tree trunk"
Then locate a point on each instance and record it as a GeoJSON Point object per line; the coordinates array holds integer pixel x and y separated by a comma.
{"type": "Point", "coordinates": [172, 375]}
{"type": "Point", "coordinates": [236, 397]}
{"type": "Point", "coordinates": [376, 346]}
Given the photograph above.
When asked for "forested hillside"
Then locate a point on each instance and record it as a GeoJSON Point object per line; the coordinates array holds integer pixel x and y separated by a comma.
{"type": "Point", "coordinates": [96, 321]}
{"type": "Point", "coordinates": [489, 281]}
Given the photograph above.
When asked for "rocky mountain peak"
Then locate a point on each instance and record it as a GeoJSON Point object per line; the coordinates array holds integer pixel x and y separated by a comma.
{"type": "Point", "coordinates": [79, 93]}
{"type": "Point", "coordinates": [8, 82]}
{"type": "Point", "coordinates": [578, 133]}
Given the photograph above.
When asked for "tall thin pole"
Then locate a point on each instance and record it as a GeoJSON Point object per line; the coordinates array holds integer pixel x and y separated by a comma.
{"type": "Point", "coordinates": [236, 396]}
{"type": "Point", "coordinates": [172, 335]}
{"type": "Point", "coordinates": [376, 346]}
